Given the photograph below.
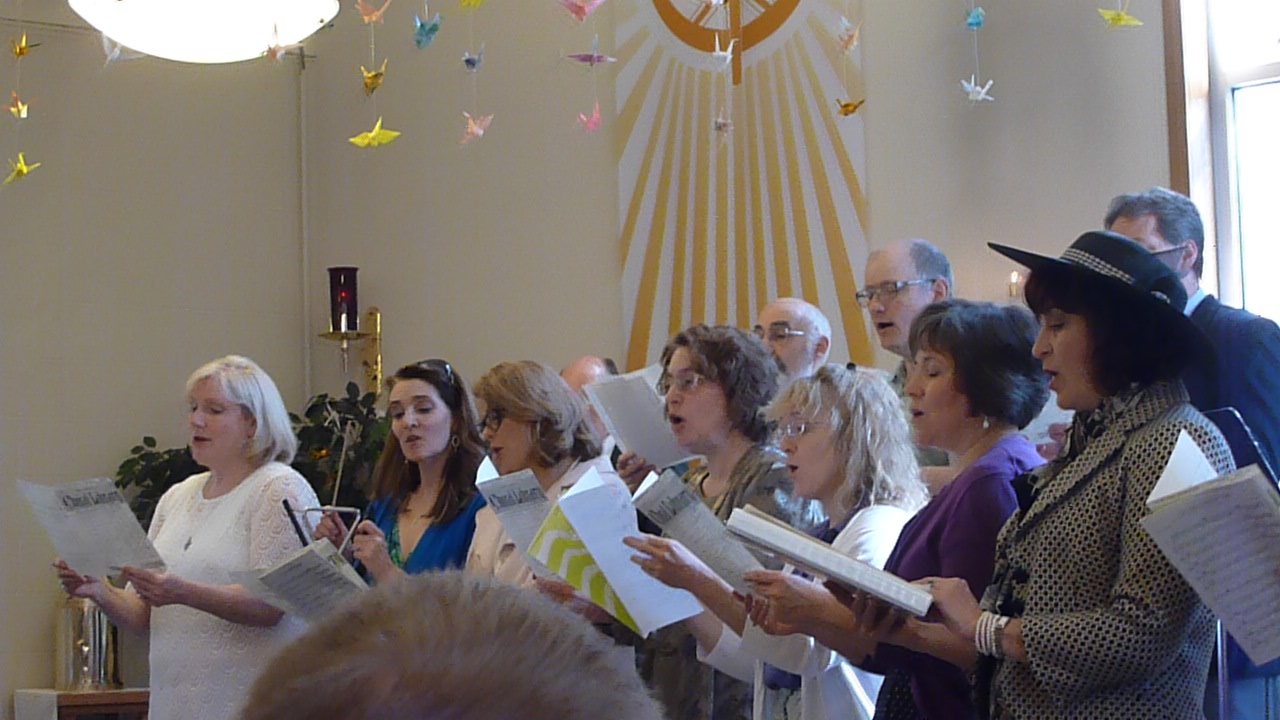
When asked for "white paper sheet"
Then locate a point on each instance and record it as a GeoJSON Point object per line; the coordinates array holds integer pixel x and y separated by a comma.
{"type": "Point", "coordinates": [1223, 536]}
{"type": "Point", "coordinates": [486, 471]}
{"type": "Point", "coordinates": [1187, 467]}
{"type": "Point", "coordinates": [633, 412]}
{"type": "Point", "coordinates": [521, 506]}
{"type": "Point", "coordinates": [819, 558]}
{"type": "Point", "coordinates": [675, 508]}
{"type": "Point", "coordinates": [311, 583]}
{"type": "Point", "coordinates": [91, 526]}
{"type": "Point", "coordinates": [602, 514]}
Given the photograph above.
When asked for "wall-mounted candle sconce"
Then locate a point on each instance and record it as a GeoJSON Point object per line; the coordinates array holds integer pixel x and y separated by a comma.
{"type": "Point", "coordinates": [344, 325]}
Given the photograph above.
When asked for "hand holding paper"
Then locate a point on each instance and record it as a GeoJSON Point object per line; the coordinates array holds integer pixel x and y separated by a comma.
{"type": "Point", "coordinates": [91, 527]}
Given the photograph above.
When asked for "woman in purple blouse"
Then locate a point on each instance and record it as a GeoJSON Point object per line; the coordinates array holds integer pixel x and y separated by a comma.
{"type": "Point", "coordinates": [973, 385]}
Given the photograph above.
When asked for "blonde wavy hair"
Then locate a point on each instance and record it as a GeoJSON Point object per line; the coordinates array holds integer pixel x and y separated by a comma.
{"type": "Point", "coordinates": [871, 436]}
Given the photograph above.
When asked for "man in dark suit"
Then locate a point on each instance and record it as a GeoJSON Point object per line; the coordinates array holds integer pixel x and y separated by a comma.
{"type": "Point", "coordinates": [1245, 372]}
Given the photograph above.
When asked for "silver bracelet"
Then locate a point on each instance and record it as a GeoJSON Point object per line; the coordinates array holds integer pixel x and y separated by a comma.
{"type": "Point", "coordinates": [989, 633]}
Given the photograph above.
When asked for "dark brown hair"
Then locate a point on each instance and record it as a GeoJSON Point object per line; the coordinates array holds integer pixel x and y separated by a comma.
{"type": "Point", "coordinates": [740, 363]}
{"type": "Point", "coordinates": [1126, 345]}
{"type": "Point", "coordinates": [396, 477]}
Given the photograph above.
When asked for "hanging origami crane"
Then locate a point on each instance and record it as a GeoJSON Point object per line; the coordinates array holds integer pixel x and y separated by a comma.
{"type": "Point", "coordinates": [590, 123]}
{"type": "Point", "coordinates": [722, 58]}
{"type": "Point", "coordinates": [425, 32]}
{"type": "Point", "coordinates": [19, 170]}
{"type": "Point", "coordinates": [472, 3]}
{"type": "Point", "coordinates": [1120, 18]}
{"type": "Point", "coordinates": [21, 48]}
{"type": "Point", "coordinates": [847, 38]}
{"type": "Point", "coordinates": [373, 78]}
{"type": "Point", "coordinates": [848, 108]}
{"type": "Point", "coordinates": [375, 137]}
{"type": "Point", "coordinates": [976, 18]}
{"type": "Point", "coordinates": [475, 127]}
{"type": "Point", "coordinates": [473, 62]}
{"type": "Point", "coordinates": [115, 52]}
{"type": "Point", "coordinates": [594, 57]}
{"type": "Point", "coordinates": [977, 93]}
{"type": "Point", "coordinates": [368, 14]}
{"type": "Point", "coordinates": [17, 108]}
{"type": "Point", "coordinates": [722, 124]}
{"type": "Point", "coordinates": [580, 9]}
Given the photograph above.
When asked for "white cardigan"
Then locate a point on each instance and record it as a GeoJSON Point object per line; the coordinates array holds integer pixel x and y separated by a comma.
{"type": "Point", "coordinates": [830, 688]}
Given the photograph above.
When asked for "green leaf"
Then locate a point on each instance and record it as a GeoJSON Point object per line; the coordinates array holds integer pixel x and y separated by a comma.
{"type": "Point", "coordinates": [149, 441]}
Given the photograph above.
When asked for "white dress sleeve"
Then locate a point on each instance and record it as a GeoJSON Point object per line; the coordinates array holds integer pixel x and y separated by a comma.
{"type": "Point", "coordinates": [272, 537]}
{"type": "Point", "coordinates": [869, 537]}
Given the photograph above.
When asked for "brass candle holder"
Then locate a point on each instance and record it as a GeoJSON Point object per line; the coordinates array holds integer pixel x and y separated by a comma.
{"type": "Point", "coordinates": [370, 354]}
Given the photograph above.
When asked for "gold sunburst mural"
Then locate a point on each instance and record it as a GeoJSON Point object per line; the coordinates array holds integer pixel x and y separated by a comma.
{"type": "Point", "coordinates": [739, 177]}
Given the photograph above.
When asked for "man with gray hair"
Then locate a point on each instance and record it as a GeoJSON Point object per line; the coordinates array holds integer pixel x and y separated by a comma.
{"type": "Point", "coordinates": [903, 279]}
{"type": "Point", "coordinates": [1244, 372]}
{"type": "Point", "coordinates": [797, 333]}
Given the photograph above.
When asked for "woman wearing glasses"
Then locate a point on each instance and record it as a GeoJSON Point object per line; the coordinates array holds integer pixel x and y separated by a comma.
{"type": "Point", "coordinates": [423, 512]}
{"type": "Point", "coordinates": [974, 384]}
{"type": "Point", "coordinates": [533, 420]}
{"type": "Point", "coordinates": [717, 381]}
{"type": "Point", "coordinates": [848, 446]}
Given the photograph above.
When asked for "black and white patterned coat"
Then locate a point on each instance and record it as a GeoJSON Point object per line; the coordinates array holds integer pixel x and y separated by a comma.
{"type": "Point", "coordinates": [1111, 629]}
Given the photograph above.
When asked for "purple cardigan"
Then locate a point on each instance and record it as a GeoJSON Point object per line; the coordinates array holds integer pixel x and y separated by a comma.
{"type": "Point", "coordinates": [955, 536]}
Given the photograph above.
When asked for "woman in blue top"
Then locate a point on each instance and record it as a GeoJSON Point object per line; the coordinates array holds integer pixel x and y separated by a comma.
{"type": "Point", "coordinates": [424, 499]}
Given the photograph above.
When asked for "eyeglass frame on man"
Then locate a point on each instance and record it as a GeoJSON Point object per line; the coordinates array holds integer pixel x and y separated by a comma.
{"type": "Point", "coordinates": [777, 331]}
{"type": "Point", "coordinates": [888, 290]}
{"type": "Point", "coordinates": [1169, 251]}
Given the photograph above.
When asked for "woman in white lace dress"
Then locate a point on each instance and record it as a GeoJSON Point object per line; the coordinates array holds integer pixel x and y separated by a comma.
{"type": "Point", "coordinates": [209, 637]}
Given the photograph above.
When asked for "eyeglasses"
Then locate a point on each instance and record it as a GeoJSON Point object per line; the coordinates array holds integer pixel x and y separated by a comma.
{"type": "Point", "coordinates": [492, 420]}
{"type": "Point", "coordinates": [1167, 256]}
{"type": "Point", "coordinates": [795, 428]}
{"type": "Point", "coordinates": [441, 366]}
{"type": "Point", "coordinates": [777, 331]}
{"type": "Point", "coordinates": [887, 291]}
{"type": "Point", "coordinates": [685, 382]}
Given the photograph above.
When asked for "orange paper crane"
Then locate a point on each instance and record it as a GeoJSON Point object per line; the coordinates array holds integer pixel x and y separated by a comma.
{"type": "Point", "coordinates": [21, 48]}
{"type": "Point", "coordinates": [368, 14]}
{"type": "Point", "coordinates": [18, 108]}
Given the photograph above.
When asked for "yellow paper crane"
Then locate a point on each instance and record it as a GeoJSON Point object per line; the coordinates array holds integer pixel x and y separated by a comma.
{"type": "Point", "coordinates": [373, 78]}
{"type": "Point", "coordinates": [19, 170]}
{"type": "Point", "coordinates": [375, 137]}
{"type": "Point", "coordinates": [17, 108]}
{"type": "Point", "coordinates": [1120, 18]}
{"type": "Point", "coordinates": [21, 48]}
{"type": "Point", "coordinates": [849, 108]}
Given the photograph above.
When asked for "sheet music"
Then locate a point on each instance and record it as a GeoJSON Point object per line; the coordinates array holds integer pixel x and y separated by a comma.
{"type": "Point", "coordinates": [521, 506]}
{"type": "Point", "coordinates": [486, 471]}
{"type": "Point", "coordinates": [91, 526]}
{"type": "Point", "coordinates": [1224, 538]}
{"type": "Point", "coordinates": [311, 583]}
{"type": "Point", "coordinates": [821, 559]}
{"type": "Point", "coordinates": [634, 414]}
{"type": "Point", "coordinates": [675, 508]}
{"type": "Point", "coordinates": [602, 514]}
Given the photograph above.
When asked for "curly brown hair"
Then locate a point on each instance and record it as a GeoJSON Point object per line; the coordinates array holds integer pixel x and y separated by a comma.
{"type": "Point", "coordinates": [740, 364]}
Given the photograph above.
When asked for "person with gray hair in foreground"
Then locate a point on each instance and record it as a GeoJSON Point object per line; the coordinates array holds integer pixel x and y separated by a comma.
{"type": "Point", "coordinates": [450, 646]}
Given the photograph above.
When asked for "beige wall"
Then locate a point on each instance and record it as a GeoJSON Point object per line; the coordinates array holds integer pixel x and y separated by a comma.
{"type": "Point", "coordinates": [160, 232]}
{"type": "Point", "coordinates": [164, 228]}
{"type": "Point", "coordinates": [503, 249]}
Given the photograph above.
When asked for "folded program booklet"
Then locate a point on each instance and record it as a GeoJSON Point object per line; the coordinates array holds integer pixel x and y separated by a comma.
{"type": "Point", "coordinates": [819, 558]}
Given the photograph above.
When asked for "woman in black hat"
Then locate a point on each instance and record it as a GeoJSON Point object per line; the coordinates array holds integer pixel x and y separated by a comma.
{"type": "Point", "coordinates": [1084, 616]}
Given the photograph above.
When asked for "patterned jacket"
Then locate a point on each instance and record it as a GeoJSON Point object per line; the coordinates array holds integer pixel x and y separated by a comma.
{"type": "Point", "coordinates": [1111, 629]}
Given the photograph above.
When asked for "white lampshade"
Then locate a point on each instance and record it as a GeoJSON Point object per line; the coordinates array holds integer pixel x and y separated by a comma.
{"type": "Point", "coordinates": [206, 31]}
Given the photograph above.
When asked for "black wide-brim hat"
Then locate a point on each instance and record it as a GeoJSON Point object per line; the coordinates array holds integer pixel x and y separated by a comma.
{"type": "Point", "coordinates": [1140, 281]}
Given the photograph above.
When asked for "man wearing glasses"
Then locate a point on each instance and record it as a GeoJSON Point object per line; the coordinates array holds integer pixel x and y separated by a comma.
{"type": "Point", "coordinates": [903, 279]}
{"type": "Point", "coordinates": [1245, 373]}
{"type": "Point", "coordinates": [797, 333]}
